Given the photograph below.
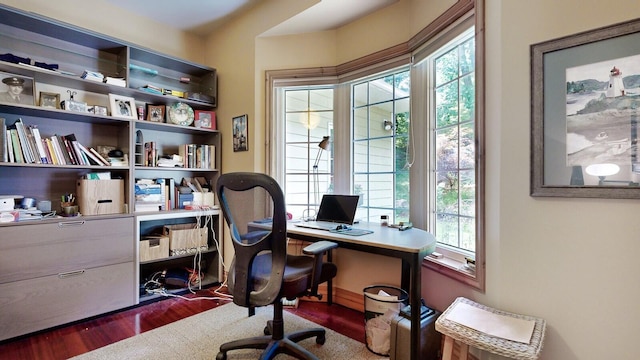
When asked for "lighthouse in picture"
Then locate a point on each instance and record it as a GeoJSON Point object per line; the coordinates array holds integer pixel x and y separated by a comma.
{"type": "Point", "coordinates": [616, 87]}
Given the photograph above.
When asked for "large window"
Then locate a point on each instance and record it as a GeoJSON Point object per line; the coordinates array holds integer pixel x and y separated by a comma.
{"type": "Point", "coordinates": [406, 135]}
{"type": "Point", "coordinates": [380, 120]}
{"type": "Point", "coordinates": [308, 169]}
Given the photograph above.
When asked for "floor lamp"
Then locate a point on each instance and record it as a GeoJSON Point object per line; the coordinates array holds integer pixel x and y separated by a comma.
{"type": "Point", "coordinates": [323, 145]}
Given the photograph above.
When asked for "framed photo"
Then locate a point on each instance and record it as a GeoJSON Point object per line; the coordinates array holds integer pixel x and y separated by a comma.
{"type": "Point", "coordinates": [585, 113]}
{"type": "Point", "coordinates": [16, 89]}
{"type": "Point", "coordinates": [155, 113]}
{"type": "Point", "coordinates": [206, 119]}
{"type": "Point", "coordinates": [240, 129]}
{"type": "Point", "coordinates": [123, 107]}
{"type": "Point", "coordinates": [49, 100]}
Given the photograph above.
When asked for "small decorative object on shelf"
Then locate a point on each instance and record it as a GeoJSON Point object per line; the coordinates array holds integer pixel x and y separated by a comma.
{"type": "Point", "coordinates": [122, 106]}
{"type": "Point", "coordinates": [72, 104]}
{"type": "Point", "coordinates": [180, 114]}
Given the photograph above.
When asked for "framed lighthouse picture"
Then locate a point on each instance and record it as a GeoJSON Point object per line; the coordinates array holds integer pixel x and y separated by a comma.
{"type": "Point", "coordinates": [585, 114]}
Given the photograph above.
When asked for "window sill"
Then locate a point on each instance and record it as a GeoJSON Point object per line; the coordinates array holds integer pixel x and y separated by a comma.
{"type": "Point", "coordinates": [454, 269]}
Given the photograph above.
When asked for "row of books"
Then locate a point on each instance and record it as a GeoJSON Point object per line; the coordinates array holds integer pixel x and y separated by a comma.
{"type": "Point", "coordinates": [24, 144]}
{"type": "Point", "coordinates": [198, 156]}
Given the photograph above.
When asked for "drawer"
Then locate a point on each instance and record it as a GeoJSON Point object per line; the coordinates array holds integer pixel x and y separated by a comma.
{"type": "Point", "coordinates": [46, 249]}
{"type": "Point", "coordinates": [44, 302]}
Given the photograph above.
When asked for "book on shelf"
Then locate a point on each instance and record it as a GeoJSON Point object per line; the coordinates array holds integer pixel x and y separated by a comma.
{"type": "Point", "coordinates": [92, 75]}
{"type": "Point", "coordinates": [115, 81]}
{"type": "Point", "coordinates": [3, 140]}
{"type": "Point", "coordinates": [9, 144]}
{"type": "Point", "coordinates": [17, 150]}
{"type": "Point", "coordinates": [38, 140]}
{"type": "Point", "coordinates": [25, 145]}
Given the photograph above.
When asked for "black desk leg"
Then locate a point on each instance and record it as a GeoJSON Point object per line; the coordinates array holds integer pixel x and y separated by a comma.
{"type": "Point", "coordinates": [330, 282]}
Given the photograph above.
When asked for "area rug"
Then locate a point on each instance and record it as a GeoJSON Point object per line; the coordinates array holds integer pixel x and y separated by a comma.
{"type": "Point", "coordinates": [200, 336]}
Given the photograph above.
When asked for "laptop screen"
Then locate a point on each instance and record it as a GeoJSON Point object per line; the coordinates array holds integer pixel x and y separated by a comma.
{"type": "Point", "coordinates": [338, 208]}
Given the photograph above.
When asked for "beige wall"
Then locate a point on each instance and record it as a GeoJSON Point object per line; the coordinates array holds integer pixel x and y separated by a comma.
{"type": "Point", "coordinates": [555, 258]}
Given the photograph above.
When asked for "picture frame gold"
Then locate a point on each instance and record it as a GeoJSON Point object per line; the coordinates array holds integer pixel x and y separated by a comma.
{"type": "Point", "coordinates": [49, 100]}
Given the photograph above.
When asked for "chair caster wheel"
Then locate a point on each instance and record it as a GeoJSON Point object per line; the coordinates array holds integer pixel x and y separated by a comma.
{"type": "Point", "coordinates": [221, 356]}
{"type": "Point", "coordinates": [320, 339]}
{"type": "Point", "coordinates": [267, 331]}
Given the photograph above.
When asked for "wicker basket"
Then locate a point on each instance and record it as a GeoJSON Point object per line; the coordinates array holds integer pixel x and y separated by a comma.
{"type": "Point", "coordinates": [495, 345]}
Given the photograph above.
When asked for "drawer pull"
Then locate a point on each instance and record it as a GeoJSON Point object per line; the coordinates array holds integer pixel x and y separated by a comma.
{"type": "Point", "coordinates": [71, 223]}
{"type": "Point", "coordinates": [71, 273]}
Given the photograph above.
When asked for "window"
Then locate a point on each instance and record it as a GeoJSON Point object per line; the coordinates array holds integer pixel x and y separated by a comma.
{"type": "Point", "coordinates": [417, 160]}
{"type": "Point", "coordinates": [380, 120]}
{"type": "Point", "coordinates": [308, 170]}
{"type": "Point", "coordinates": [453, 144]}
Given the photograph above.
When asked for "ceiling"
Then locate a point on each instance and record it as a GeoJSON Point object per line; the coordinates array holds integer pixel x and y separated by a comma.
{"type": "Point", "coordinates": [203, 16]}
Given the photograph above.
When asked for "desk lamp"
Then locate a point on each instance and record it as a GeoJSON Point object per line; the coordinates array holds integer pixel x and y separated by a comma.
{"type": "Point", "coordinates": [323, 145]}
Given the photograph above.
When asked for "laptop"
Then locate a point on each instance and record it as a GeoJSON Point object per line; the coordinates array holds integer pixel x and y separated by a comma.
{"type": "Point", "coordinates": [334, 210]}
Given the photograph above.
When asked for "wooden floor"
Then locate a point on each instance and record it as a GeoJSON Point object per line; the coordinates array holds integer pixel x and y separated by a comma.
{"type": "Point", "coordinates": [81, 337]}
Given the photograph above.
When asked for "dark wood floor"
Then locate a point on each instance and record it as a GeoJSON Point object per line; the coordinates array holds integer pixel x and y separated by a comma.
{"type": "Point", "coordinates": [81, 337]}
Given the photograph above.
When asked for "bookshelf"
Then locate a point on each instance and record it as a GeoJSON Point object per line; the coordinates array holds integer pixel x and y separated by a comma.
{"type": "Point", "coordinates": [81, 261]}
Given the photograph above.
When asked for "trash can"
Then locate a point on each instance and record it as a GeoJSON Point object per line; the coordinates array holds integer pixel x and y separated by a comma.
{"type": "Point", "coordinates": [381, 304]}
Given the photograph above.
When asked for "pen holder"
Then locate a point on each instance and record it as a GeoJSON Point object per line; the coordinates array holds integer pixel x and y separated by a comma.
{"type": "Point", "coordinates": [69, 209]}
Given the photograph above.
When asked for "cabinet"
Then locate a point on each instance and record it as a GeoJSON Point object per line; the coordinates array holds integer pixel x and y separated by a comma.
{"type": "Point", "coordinates": [58, 270]}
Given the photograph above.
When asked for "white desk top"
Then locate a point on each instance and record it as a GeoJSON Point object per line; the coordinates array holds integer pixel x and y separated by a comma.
{"type": "Point", "coordinates": [409, 241]}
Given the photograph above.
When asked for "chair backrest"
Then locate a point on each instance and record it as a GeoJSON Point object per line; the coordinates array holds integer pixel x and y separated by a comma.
{"type": "Point", "coordinates": [247, 245]}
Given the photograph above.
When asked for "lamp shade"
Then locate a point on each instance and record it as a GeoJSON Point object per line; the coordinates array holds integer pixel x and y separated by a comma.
{"type": "Point", "coordinates": [324, 144]}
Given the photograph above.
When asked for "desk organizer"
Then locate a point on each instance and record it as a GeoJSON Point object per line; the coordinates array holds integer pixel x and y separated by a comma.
{"type": "Point", "coordinates": [186, 238]}
{"type": "Point", "coordinates": [99, 197]}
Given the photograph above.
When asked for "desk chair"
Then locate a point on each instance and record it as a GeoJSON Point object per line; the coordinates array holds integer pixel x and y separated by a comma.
{"type": "Point", "coordinates": [262, 273]}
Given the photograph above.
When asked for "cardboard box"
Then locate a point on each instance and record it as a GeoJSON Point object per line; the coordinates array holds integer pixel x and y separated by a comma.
{"type": "Point", "coordinates": [154, 247]}
{"type": "Point", "coordinates": [186, 239]}
{"type": "Point", "coordinates": [99, 197]}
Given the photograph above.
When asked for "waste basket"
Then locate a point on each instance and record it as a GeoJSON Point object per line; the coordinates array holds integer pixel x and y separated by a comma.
{"type": "Point", "coordinates": [381, 304]}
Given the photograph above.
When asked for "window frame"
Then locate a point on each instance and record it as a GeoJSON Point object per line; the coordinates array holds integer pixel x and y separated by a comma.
{"type": "Point", "coordinates": [431, 37]}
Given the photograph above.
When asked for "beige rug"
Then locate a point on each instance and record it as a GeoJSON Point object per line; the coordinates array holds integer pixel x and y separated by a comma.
{"type": "Point", "coordinates": [199, 337]}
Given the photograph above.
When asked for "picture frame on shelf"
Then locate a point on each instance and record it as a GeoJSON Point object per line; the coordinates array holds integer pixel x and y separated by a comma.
{"type": "Point", "coordinates": [240, 129]}
{"type": "Point", "coordinates": [123, 107]}
{"type": "Point", "coordinates": [49, 100]}
{"type": "Point", "coordinates": [156, 113]}
{"type": "Point", "coordinates": [16, 89]}
{"type": "Point", "coordinates": [206, 119]}
{"type": "Point", "coordinates": [585, 111]}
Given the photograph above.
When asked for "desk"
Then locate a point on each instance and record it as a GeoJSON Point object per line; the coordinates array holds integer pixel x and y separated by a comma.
{"type": "Point", "coordinates": [411, 246]}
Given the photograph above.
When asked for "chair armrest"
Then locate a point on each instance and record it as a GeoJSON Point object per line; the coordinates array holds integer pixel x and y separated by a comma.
{"type": "Point", "coordinates": [319, 247]}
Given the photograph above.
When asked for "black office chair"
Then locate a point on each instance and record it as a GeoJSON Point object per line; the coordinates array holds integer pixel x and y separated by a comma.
{"type": "Point", "coordinates": [262, 273]}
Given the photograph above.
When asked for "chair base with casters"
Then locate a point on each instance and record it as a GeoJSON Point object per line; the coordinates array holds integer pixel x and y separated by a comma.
{"type": "Point", "coordinates": [278, 342]}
